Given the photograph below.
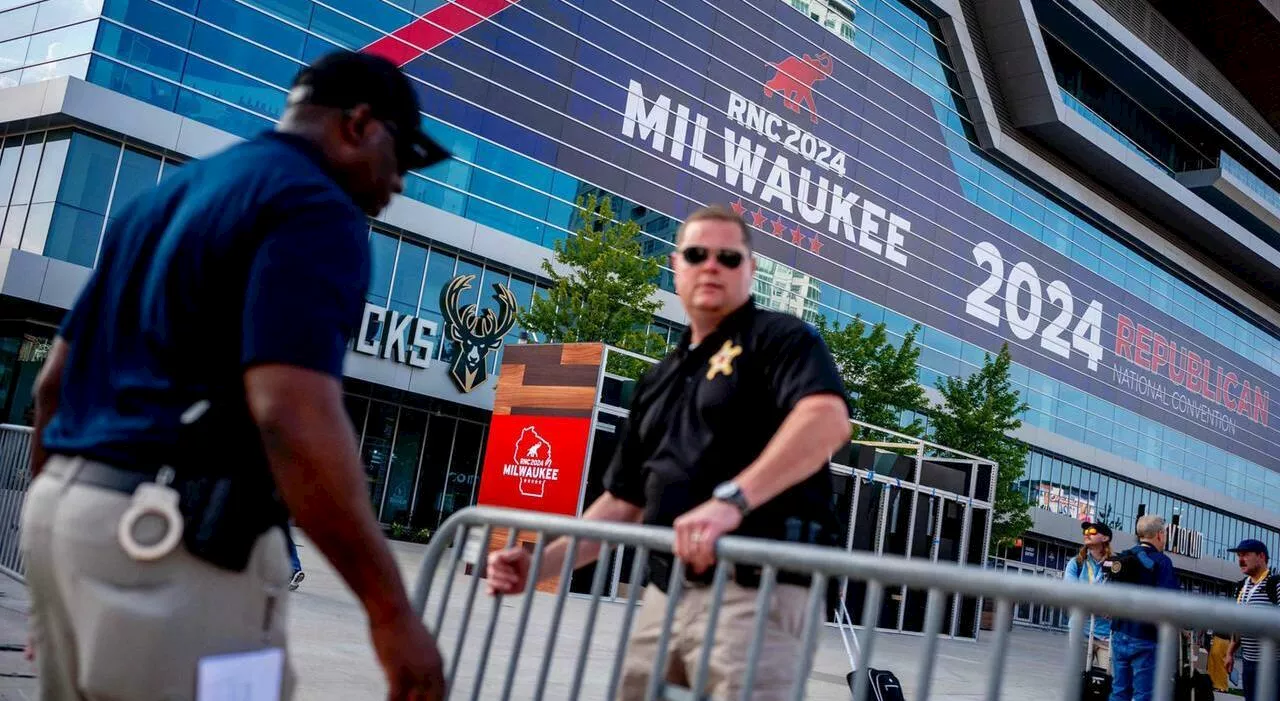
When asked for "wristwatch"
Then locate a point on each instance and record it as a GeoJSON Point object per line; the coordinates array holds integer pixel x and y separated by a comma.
{"type": "Point", "coordinates": [730, 492]}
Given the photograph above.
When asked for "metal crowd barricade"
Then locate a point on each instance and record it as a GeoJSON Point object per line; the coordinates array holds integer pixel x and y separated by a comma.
{"type": "Point", "coordinates": [15, 478]}
{"type": "Point", "coordinates": [1170, 611]}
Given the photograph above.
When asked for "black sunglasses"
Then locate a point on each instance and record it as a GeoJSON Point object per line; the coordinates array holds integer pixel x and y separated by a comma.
{"type": "Point", "coordinates": [696, 255]}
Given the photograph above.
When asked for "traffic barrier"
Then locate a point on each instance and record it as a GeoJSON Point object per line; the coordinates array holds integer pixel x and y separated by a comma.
{"type": "Point", "coordinates": [1172, 612]}
{"type": "Point", "coordinates": [15, 478]}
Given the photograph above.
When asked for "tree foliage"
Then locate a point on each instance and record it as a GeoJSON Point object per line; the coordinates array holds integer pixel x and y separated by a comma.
{"type": "Point", "coordinates": [879, 377]}
{"type": "Point", "coordinates": [606, 295]}
{"type": "Point", "coordinates": [976, 416]}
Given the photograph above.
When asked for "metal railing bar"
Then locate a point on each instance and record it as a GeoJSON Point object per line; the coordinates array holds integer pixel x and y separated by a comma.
{"type": "Point", "coordinates": [425, 576]}
{"type": "Point", "coordinates": [584, 649]}
{"type": "Point", "coordinates": [1117, 600]}
{"type": "Point", "coordinates": [871, 603]}
{"type": "Point", "coordinates": [713, 617]}
{"type": "Point", "coordinates": [934, 607]}
{"type": "Point", "coordinates": [466, 614]}
{"type": "Point", "coordinates": [675, 583]}
{"type": "Point", "coordinates": [491, 627]}
{"type": "Point", "coordinates": [525, 608]}
{"type": "Point", "coordinates": [764, 602]}
{"type": "Point", "coordinates": [1167, 654]}
{"type": "Point", "coordinates": [995, 676]}
{"type": "Point", "coordinates": [566, 575]}
{"type": "Point", "coordinates": [809, 635]}
{"type": "Point", "coordinates": [639, 565]}
{"type": "Point", "coordinates": [1078, 652]}
{"type": "Point", "coordinates": [1267, 670]}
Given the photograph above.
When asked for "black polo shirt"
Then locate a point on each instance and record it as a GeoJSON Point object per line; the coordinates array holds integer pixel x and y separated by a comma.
{"type": "Point", "coordinates": [704, 414]}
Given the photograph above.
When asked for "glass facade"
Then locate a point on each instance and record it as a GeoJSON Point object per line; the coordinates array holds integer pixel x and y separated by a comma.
{"type": "Point", "coordinates": [46, 39]}
{"type": "Point", "coordinates": [228, 62]}
{"type": "Point", "coordinates": [1068, 487]}
{"type": "Point", "coordinates": [59, 189]}
{"type": "Point", "coordinates": [421, 455]}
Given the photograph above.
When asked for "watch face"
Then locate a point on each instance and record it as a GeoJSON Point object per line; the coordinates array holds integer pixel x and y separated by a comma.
{"type": "Point", "coordinates": [726, 491]}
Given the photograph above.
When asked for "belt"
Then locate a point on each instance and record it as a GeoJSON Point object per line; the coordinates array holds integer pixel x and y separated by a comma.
{"type": "Point", "coordinates": [746, 576]}
{"type": "Point", "coordinates": [114, 478]}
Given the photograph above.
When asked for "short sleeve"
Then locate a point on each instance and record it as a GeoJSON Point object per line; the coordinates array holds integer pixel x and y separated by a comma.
{"type": "Point", "coordinates": [800, 365]}
{"type": "Point", "coordinates": [306, 286]}
{"type": "Point", "coordinates": [624, 478]}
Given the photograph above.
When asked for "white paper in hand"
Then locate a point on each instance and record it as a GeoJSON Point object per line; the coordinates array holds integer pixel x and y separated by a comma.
{"type": "Point", "coordinates": [243, 676]}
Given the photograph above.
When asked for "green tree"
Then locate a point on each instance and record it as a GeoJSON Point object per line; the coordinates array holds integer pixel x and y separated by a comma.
{"type": "Point", "coordinates": [879, 377]}
{"type": "Point", "coordinates": [607, 293]}
{"type": "Point", "coordinates": [976, 416]}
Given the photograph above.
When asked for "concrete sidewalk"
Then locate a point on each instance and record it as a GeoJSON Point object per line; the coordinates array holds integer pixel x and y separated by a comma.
{"type": "Point", "coordinates": [334, 660]}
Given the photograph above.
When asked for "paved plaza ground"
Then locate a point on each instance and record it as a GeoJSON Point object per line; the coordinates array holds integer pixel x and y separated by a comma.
{"type": "Point", "coordinates": [333, 658]}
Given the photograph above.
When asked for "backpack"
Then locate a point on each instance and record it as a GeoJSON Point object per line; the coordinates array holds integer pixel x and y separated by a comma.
{"type": "Point", "coordinates": [1130, 566]}
{"type": "Point", "coordinates": [1272, 588]}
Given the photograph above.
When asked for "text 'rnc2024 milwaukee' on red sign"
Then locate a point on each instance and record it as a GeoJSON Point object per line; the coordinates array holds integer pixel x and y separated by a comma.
{"type": "Point", "coordinates": [534, 463]}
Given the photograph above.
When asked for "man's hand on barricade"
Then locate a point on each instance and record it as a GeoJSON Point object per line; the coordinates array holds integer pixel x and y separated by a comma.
{"type": "Point", "coordinates": [410, 660]}
{"type": "Point", "coordinates": [698, 531]}
{"type": "Point", "coordinates": [508, 571]}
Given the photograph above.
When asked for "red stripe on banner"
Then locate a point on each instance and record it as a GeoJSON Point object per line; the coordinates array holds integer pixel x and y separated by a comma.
{"type": "Point", "coordinates": [435, 28]}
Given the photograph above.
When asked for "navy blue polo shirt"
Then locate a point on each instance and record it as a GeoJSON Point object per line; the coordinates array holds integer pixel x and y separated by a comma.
{"type": "Point", "coordinates": [253, 256]}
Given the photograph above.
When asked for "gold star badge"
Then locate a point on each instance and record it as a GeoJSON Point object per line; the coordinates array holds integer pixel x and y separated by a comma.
{"type": "Point", "coordinates": [722, 361]}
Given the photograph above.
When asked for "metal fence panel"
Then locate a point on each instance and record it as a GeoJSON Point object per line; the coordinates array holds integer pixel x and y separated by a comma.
{"type": "Point", "coordinates": [1172, 612]}
{"type": "Point", "coordinates": [15, 477]}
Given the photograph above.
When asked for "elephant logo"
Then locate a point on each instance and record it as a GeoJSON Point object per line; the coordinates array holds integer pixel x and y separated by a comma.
{"type": "Point", "coordinates": [794, 79]}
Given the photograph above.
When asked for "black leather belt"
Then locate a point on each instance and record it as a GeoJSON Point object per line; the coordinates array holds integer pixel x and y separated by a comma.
{"type": "Point", "coordinates": [109, 477]}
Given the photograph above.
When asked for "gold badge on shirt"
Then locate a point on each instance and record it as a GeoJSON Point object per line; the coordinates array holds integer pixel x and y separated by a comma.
{"type": "Point", "coordinates": [722, 361]}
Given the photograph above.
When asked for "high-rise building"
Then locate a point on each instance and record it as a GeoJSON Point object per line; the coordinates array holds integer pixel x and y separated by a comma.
{"type": "Point", "coordinates": [1095, 183]}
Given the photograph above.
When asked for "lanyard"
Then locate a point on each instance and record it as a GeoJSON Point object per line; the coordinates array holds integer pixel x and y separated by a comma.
{"type": "Point", "coordinates": [1093, 569]}
{"type": "Point", "coordinates": [1246, 593]}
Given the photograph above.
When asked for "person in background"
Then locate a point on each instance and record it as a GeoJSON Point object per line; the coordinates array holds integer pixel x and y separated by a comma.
{"type": "Point", "coordinates": [1133, 643]}
{"type": "Point", "coordinates": [1087, 567]}
{"type": "Point", "coordinates": [1258, 588]}
{"type": "Point", "coordinates": [294, 561]}
{"type": "Point", "coordinates": [1219, 653]}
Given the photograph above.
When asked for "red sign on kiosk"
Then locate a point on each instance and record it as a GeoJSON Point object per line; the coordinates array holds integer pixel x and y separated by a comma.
{"type": "Point", "coordinates": [534, 463]}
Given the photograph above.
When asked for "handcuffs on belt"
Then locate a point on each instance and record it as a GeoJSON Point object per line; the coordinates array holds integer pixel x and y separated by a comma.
{"type": "Point", "coordinates": [157, 499]}
{"type": "Point", "coordinates": [152, 498]}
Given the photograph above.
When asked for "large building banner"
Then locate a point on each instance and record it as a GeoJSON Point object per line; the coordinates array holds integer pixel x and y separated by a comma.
{"type": "Point", "coordinates": [839, 164]}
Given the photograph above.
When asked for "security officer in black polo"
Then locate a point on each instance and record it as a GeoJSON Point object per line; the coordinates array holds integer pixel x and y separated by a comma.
{"type": "Point", "coordinates": [731, 433]}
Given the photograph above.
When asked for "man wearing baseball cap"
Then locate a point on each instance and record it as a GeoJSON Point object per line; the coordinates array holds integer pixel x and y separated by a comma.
{"type": "Point", "coordinates": [192, 401]}
{"type": "Point", "coordinates": [1258, 588]}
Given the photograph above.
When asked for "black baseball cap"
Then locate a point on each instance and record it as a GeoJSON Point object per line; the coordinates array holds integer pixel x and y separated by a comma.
{"type": "Point", "coordinates": [345, 79]}
{"type": "Point", "coordinates": [1102, 528]}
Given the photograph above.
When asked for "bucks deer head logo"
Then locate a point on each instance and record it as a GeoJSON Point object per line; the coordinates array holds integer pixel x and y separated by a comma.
{"type": "Point", "coordinates": [474, 333]}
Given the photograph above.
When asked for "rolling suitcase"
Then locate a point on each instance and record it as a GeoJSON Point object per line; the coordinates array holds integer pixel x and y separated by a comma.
{"type": "Point", "coordinates": [883, 684]}
{"type": "Point", "coordinates": [1095, 684]}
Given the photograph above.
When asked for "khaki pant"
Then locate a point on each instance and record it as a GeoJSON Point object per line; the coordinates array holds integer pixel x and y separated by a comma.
{"type": "Point", "coordinates": [107, 627]}
{"type": "Point", "coordinates": [775, 671]}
